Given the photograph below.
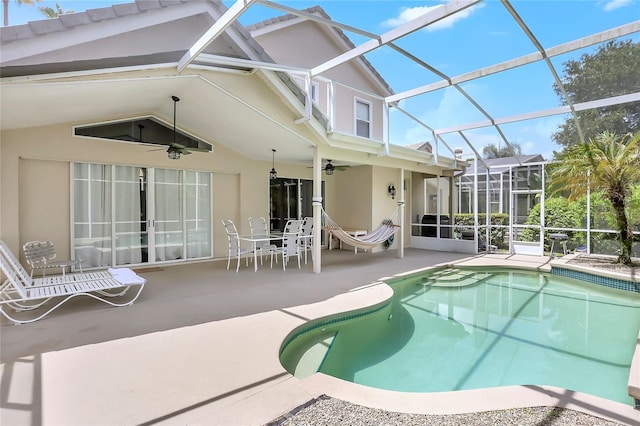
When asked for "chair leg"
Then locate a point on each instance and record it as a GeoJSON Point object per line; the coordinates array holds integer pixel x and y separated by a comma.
{"type": "Point", "coordinates": [228, 261]}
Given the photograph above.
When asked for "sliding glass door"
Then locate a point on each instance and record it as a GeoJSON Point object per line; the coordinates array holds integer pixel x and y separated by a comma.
{"type": "Point", "coordinates": [124, 215]}
{"type": "Point", "coordinates": [290, 199]}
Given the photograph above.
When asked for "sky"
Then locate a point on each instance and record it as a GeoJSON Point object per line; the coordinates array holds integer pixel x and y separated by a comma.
{"type": "Point", "coordinates": [479, 36]}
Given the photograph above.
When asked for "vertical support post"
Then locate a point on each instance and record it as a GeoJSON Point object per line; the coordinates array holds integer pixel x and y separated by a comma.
{"type": "Point", "coordinates": [385, 128]}
{"type": "Point", "coordinates": [317, 211]}
{"type": "Point", "coordinates": [332, 107]}
{"type": "Point", "coordinates": [542, 209]}
{"type": "Point", "coordinates": [487, 215]}
{"type": "Point", "coordinates": [401, 209]}
{"type": "Point", "coordinates": [476, 226]}
{"type": "Point", "coordinates": [512, 210]}
{"type": "Point", "coordinates": [589, 212]}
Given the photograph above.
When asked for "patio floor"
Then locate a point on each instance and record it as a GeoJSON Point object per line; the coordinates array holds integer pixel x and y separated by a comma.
{"type": "Point", "coordinates": [200, 346]}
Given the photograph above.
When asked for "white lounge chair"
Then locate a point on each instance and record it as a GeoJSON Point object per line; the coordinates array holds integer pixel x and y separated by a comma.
{"type": "Point", "coordinates": [20, 292]}
{"type": "Point", "coordinates": [42, 255]}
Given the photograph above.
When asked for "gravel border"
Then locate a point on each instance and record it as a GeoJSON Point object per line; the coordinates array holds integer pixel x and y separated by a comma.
{"type": "Point", "coordinates": [326, 411]}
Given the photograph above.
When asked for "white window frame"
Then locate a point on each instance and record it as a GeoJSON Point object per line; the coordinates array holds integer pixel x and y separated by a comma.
{"type": "Point", "coordinates": [357, 101]}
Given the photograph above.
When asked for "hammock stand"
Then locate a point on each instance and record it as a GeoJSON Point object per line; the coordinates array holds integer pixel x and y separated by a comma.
{"type": "Point", "coordinates": [378, 236]}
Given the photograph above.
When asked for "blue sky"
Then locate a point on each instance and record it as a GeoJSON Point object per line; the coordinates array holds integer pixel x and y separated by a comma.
{"type": "Point", "coordinates": [480, 36]}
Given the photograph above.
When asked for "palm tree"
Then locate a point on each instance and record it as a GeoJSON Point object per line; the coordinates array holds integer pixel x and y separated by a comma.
{"type": "Point", "coordinates": [614, 167]}
{"type": "Point", "coordinates": [50, 12]}
{"type": "Point", "coordinates": [5, 8]}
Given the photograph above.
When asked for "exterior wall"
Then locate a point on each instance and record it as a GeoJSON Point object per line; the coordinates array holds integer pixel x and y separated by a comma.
{"type": "Point", "coordinates": [353, 200]}
{"type": "Point", "coordinates": [384, 205]}
{"type": "Point", "coordinates": [307, 45]}
{"type": "Point", "coordinates": [35, 185]}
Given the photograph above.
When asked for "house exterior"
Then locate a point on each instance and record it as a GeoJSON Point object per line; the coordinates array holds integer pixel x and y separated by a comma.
{"type": "Point", "coordinates": [120, 199]}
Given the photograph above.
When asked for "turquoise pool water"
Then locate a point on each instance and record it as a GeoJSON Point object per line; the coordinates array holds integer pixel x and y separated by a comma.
{"type": "Point", "coordinates": [457, 329]}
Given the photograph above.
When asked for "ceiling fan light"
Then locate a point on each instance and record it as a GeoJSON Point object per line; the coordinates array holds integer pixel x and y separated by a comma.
{"type": "Point", "coordinates": [173, 154]}
{"type": "Point", "coordinates": [329, 168]}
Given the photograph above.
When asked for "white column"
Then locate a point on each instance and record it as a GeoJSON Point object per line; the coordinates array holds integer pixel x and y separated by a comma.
{"type": "Point", "coordinates": [317, 210]}
{"type": "Point", "coordinates": [401, 209]}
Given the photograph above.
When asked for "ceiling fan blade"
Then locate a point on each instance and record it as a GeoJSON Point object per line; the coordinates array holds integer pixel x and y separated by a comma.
{"type": "Point", "coordinates": [341, 168]}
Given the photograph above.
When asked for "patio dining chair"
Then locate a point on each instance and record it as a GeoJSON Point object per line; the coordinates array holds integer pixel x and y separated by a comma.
{"type": "Point", "coordinates": [235, 249]}
{"type": "Point", "coordinates": [306, 236]}
{"type": "Point", "coordinates": [259, 227]}
{"type": "Point", "coordinates": [290, 242]}
{"type": "Point", "coordinates": [42, 255]}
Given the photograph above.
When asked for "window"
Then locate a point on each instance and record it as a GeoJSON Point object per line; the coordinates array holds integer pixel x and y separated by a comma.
{"type": "Point", "coordinates": [363, 119]}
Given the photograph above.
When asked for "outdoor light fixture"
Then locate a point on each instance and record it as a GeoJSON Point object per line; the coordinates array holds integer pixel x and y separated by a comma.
{"type": "Point", "coordinates": [392, 190]}
{"type": "Point", "coordinates": [173, 154]}
{"type": "Point", "coordinates": [273, 174]}
{"type": "Point", "coordinates": [329, 168]}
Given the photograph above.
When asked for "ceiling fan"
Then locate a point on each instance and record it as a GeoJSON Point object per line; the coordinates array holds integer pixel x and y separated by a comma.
{"type": "Point", "coordinates": [175, 149]}
{"type": "Point", "coordinates": [329, 168]}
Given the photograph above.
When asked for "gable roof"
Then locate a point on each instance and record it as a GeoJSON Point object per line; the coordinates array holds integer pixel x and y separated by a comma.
{"type": "Point", "coordinates": [333, 31]}
{"type": "Point", "coordinates": [97, 38]}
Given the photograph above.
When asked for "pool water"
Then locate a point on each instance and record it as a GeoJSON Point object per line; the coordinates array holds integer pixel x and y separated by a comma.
{"type": "Point", "coordinates": [454, 329]}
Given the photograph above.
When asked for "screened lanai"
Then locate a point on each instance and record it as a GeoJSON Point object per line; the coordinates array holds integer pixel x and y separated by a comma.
{"type": "Point", "coordinates": [459, 76]}
{"type": "Point", "coordinates": [460, 86]}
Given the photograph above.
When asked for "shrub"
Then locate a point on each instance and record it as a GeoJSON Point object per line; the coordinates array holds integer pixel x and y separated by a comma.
{"type": "Point", "coordinates": [497, 219]}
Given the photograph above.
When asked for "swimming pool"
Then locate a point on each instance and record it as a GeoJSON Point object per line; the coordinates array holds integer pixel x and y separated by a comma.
{"type": "Point", "coordinates": [455, 329]}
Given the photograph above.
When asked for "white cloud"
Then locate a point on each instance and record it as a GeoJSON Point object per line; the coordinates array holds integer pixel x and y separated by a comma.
{"type": "Point", "coordinates": [409, 13]}
{"type": "Point", "coordinates": [616, 4]}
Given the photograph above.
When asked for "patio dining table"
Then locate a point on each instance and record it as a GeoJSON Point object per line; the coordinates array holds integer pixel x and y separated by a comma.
{"type": "Point", "coordinates": [257, 238]}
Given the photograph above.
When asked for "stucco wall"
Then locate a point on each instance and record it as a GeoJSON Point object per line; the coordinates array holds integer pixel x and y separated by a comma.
{"type": "Point", "coordinates": [308, 45]}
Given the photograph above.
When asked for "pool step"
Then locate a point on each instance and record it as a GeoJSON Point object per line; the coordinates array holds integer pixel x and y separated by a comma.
{"type": "Point", "coordinates": [454, 278]}
{"type": "Point", "coordinates": [311, 361]}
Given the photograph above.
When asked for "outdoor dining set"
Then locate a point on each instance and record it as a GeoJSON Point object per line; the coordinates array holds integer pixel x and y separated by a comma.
{"type": "Point", "coordinates": [294, 241]}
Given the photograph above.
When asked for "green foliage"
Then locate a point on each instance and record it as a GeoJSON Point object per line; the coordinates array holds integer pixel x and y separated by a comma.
{"type": "Point", "coordinates": [558, 213]}
{"type": "Point", "coordinates": [497, 219]}
{"type": "Point", "coordinates": [50, 12]}
{"type": "Point", "coordinates": [611, 71]}
{"type": "Point", "coordinates": [607, 164]}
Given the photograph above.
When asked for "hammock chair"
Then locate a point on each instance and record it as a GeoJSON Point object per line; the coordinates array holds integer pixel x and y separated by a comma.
{"type": "Point", "coordinates": [378, 236]}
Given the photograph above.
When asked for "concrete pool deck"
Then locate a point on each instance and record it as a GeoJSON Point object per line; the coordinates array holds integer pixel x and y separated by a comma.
{"type": "Point", "coordinates": [201, 346]}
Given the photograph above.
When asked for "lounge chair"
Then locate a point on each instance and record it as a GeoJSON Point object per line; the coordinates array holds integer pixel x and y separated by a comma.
{"type": "Point", "coordinates": [21, 292]}
{"type": "Point", "coordinates": [42, 254]}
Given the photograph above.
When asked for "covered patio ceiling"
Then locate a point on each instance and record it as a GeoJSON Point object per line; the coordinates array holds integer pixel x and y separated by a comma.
{"type": "Point", "coordinates": [212, 110]}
